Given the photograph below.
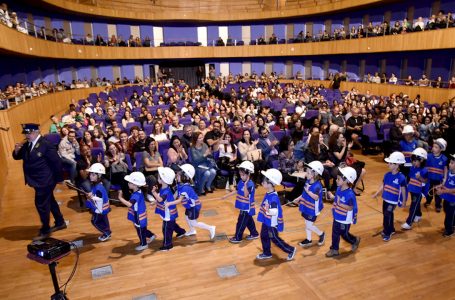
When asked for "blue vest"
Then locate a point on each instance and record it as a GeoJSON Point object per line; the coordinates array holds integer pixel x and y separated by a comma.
{"type": "Point", "coordinates": [406, 149]}
{"type": "Point", "coordinates": [436, 166]}
{"type": "Point", "coordinates": [340, 214]}
{"type": "Point", "coordinates": [137, 213]}
{"type": "Point", "coordinates": [415, 185]}
{"type": "Point", "coordinates": [190, 198]}
{"type": "Point", "coordinates": [271, 221]}
{"type": "Point", "coordinates": [245, 203]}
{"type": "Point", "coordinates": [96, 190]}
{"type": "Point", "coordinates": [308, 205]}
{"type": "Point", "coordinates": [450, 184]}
{"type": "Point", "coordinates": [167, 196]}
{"type": "Point", "coordinates": [392, 188]}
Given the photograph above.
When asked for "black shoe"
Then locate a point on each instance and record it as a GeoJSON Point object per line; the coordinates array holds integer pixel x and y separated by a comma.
{"type": "Point", "coordinates": [202, 194]}
{"type": "Point", "coordinates": [426, 204]}
{"type": "Point", "coordinates": [321, 239]}
{"type": "Point", "coordinates": [306, 243]}
{"type": "Point", "coordinates": [356, 244]}
{"type": "Point", "coordinates": [438, 209]}
{"type": "Point", "coordinates": [209, 191]}
{"type": "Point", "coordinates": [58, 227]}
{"type": "Point", "coordinates": [165, 249]}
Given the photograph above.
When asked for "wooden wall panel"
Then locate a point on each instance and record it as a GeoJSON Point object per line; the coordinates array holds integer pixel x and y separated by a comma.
{"type": "Point", "coordinates": [28, 45]}
{"type": "Point", "coordinates": [149, 13]}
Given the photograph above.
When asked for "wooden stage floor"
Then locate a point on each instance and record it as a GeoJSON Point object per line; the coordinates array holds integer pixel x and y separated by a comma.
{"type": "Point", "coordinates": [417, 264]}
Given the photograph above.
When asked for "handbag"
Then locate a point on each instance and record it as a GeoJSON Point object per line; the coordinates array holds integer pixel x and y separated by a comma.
{"type": "Point", "coordinates": [254, 155]}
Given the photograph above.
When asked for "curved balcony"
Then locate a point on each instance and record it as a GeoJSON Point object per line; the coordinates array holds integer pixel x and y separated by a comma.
{"type": "Point", "coordinates": [31, 46]}
{"type": "Point", "coordinates": [214, 11]}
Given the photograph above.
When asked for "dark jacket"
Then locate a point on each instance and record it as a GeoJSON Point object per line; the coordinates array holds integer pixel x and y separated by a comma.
{"type": "Point", "coordinates": [42, 166]}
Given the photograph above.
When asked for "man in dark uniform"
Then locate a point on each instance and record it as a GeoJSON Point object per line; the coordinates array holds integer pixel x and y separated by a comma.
{"type": "Point", "coordinates": [42, 170]}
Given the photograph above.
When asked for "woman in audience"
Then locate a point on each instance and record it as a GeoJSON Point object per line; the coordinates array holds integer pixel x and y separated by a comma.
{"type": "Point", "coordinates": [176, 155]}
{"type": "Point", "coordinates": [123, 143]}
{"type": "Point", "coordinates": [201, 158]}
{"type": "Point", "coordinates": [158, 133]}
{"type": "Point", "coordinates": [100, 136]}
{"type": "Point", "coordinates": [89, 141]}
{"type": "Point", "coordinates": [116, 166]}
{"type": "Point", "coordinates": [202, 128]}
{"type": "Point", "coordinates": [228, 159]}
{"type": "Point", "coordinates": [288, 164]}
{"type": "Point", "coordinates": [152, 160]}
{"type": "Point", "coordinates": [317, 150]}
{"type": "Point", "coordinates": [127, 118]}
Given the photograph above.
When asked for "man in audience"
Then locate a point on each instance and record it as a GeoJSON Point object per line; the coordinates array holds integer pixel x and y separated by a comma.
{"type": "Point", "coordinates": [68, 148]}
{"type": "Point", "coordinates": [175, 126]}
{"type": "Point", "coordinates": [213, 138]}
{"type": "Point", "coordinates": [267, 144]}
{"type": "Point", "coordinates": [236, 131]}
{"type": "Point", "coordinates": [187, 137]}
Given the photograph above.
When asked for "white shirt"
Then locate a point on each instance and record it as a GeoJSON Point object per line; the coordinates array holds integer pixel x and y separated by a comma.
{"type": "Point", "coordinates": [35, 141]}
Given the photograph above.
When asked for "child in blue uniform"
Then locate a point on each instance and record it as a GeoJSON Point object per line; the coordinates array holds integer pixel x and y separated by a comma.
{"type": "Point", "coordinates": [98, 201]}
{"type": "Point", "coordinates": [271, 217]}
{"type": "Point", "coordinates": [167, 212]}
{"type": "Point", "coordinates": [137, 212]}
{"type": "Point", "coordinates": [437, 171]}
{"type": "Point", "coordinates": [407, 145]}
{"type": "Point", "coordinates": [393, 191]}
{"type": "Point", "coordinates": [344, 212]}
{"type": "Point", "coordinates": [417, 186]}
{"type": "Point", "coordinates": [244, 202]}
{"type": "Point", "coordinates": [447, 193]}
{"type": "Point", "coordinates": [190, 200]}
{"type": "Point", "coordinates": [310, 203]}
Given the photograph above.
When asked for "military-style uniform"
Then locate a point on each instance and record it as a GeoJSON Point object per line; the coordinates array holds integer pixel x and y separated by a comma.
{"type": "Point", "coordinates": [42, 170]}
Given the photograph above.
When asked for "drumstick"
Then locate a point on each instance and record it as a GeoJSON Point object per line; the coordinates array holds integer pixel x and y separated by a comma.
{"type": "Point", "coordinates": [73, 187]}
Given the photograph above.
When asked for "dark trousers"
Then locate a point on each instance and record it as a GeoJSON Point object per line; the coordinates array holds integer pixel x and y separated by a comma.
{"type": "Point", "coordinates": [405, 171]}
{"type": "Point", "coordinates": [143, 233]}
{"type": "Point", "coordinates": [414, 210]}
{"type": "Point", "coordinates": [449, 220]}
{"type": "Point", "coordinates": [45, 205]}
{"type": "Point", "coordinates": [271, 234]}
{"type": "Point", "coordinates": [341, 230]}
{"type": "Point", "coordinates": [437, 198]}
{"type": "Point", "coordinates": [387, 211]}
{"type": "Point", "coordinates": [169, 227]}
{"type": "Point", "coordinates": [245, 220]}
{"type": "Point", "coordinates": [101, 222]}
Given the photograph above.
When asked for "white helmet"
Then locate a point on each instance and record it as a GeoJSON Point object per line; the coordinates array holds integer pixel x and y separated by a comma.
{"type": "Point", "coordinates": [273, 175]}
{"type": "Point", "coordinates": [188, 170]}
{"type": "Point", "coordinates": [408, 129]}
{"type": "Point", "coordinates": [316, 166]}
{"type": "Point", "coordinates": [420, 152]}
{"type": "Point", "coordinates": [97, 168]}
{"type": "Point", "coordinates": [166, 174]}
{"type": "Point", "coordinates": [247, 165]}
{"type": "Point", "coordinates": [349, 173]}
{"type": "Point", "coordinates": [136, 178]}
{"type": "Point", "coordinates": [396, 158]}
{"type": "Point", "coordinates": [442, 143]}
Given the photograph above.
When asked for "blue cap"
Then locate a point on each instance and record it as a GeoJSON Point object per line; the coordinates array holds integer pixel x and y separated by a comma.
{"type": "Point", "coordinates": [29, 128]}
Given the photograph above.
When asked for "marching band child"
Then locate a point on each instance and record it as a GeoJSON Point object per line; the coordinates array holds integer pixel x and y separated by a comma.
{"type": "Point", "coordinates": [407, 145]}
{"type": "Point", "coordinates": [418, 176]}
{"type": "Point", "coordinates": [137, 212]}
{"type": "Point", "coordinates": [271, 217]}
{"type": "Point", "coordinates": [437, 171]}
{"type": "Point", "coordinates": [98, 202]}
{"type": "Point", "coordinates": [393, 191]}
{"type": "Point", "coordinates": [344, 211]}
{"type": "Point", "coordinates": [310, 203]}
{"type": "Point", "coordinates": [244, 202]}
{"type": "Point", "coordinates": [167, 212]}
{"type": "Point", "coordinates": [447, 193]}
{"type": "Point", "coordinates": [190, 200]}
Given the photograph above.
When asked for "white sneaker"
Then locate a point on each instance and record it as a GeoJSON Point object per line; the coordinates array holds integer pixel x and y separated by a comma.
{"type": "Point", "coordinates": [406, 226]}
{"type": "Point", "coordinates": [417, 219]}
{"type": "Point", "coordinates": [212, 232]}
{"type": "Point", "coordinates": [141, 248]}
{"type": "Point", "coordinates": [190, 233]}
